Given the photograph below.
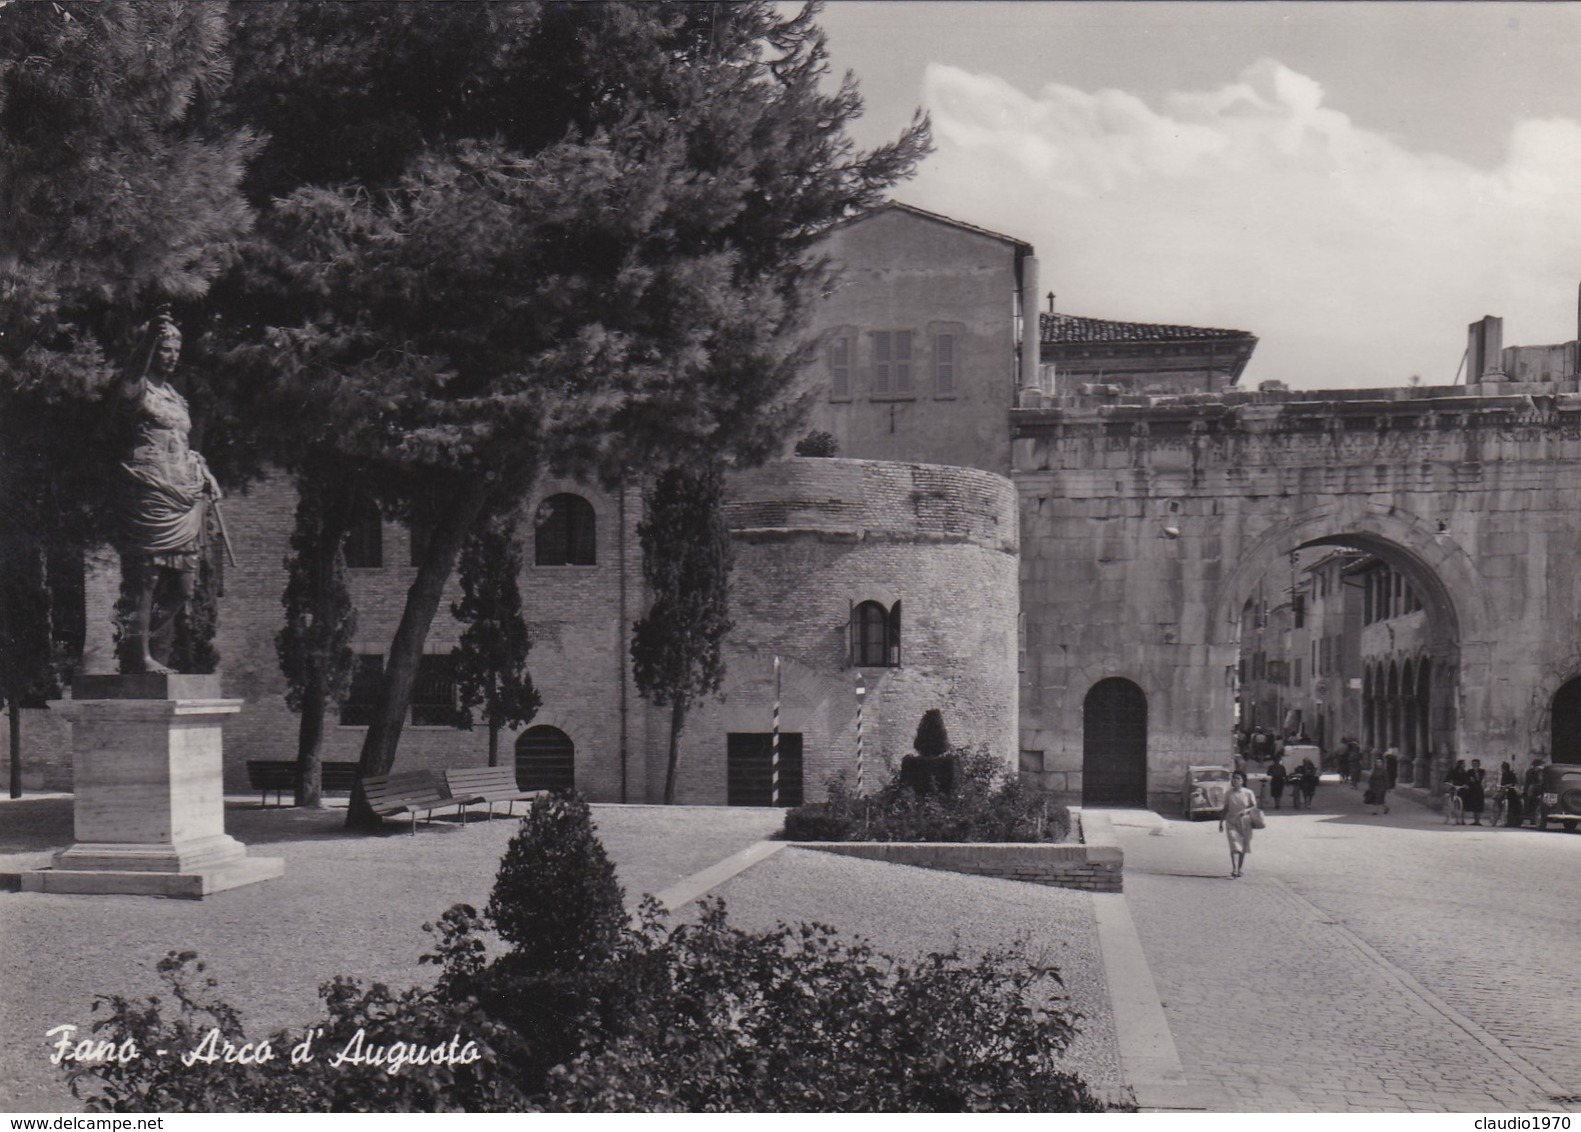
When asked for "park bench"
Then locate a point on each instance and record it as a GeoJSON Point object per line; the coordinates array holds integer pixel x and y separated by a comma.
{"type": "Point", "coordinates": [489, 784]}
{"type": "Point", "coordinates": [414, 792]}
{"type": "Point", "coordinates": [279, 775]}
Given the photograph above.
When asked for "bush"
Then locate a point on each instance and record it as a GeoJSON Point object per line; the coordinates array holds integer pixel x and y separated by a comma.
{"type": "Point", "coordinates": [795, 1020]}
{"type": "Point", "coordinates": [818, 444]}
{"type": "Point", "coordinates": [595, 1014]}
{"type": "Point", "coordinates": [988, 802]}
{"type": "Point", "coordinates": [555, 898]}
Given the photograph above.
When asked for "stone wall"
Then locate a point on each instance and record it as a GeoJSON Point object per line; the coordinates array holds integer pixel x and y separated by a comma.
{"type": "Point", "coordinates": [1470, 495]}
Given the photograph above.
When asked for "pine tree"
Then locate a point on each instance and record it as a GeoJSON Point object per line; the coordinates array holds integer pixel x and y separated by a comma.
{"type": "Point", "coordinates": [676, 650]}
{"type": "Point", "coordinates": [470, 294]}
{"type": "Point", "coordinates": [117, 193]}
{"type": "Point", "coordinates": [491, 659]}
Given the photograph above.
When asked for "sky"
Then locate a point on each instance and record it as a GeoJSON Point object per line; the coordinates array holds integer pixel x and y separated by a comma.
{"type": "Point", "coordinates": [1354, 183]}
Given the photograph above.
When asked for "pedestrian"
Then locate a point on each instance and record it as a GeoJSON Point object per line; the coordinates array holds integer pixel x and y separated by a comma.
{"type": "Point", "coordinates": [1342, 760]}
{"type": "Point", "coordinates": [1475, 793]}
{"type": "Point", "coordinates": [1276, 780]}
{"type": "Point", "coordinates": [1236, 821]}
{"type": "Point", "coordinates": [1455, 782]}
{"type": "Point", "coordinates": [1533, 783]}
{"type": "Point", "coordinates": [1309, 781]}
{"type": "Point", "coordinates": [1510, 792]}
{"type": "Point", "coordinates": [1378, 786]}
{"type": "Point", "coordinates": [1356, 760]}
{"type": "Point", "coordinates": [1391, 760]}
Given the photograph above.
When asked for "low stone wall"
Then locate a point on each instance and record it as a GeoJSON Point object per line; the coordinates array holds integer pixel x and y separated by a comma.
{"type": "Point", "coordinates": [1095, 864]}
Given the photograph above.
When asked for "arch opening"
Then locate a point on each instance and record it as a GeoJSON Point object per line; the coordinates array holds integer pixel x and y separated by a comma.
{"type": "Point", "coordinates": [1114, 744]}
{"type": "Point", "coordinates": [1349, 636]}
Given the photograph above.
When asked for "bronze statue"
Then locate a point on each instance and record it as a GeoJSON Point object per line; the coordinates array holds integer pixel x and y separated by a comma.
{"type": "Point", "coordinates": [169, 490]}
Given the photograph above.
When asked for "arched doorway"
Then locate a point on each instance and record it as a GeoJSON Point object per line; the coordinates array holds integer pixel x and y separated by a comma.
{"type": "Point", "coordinates": [1114, 744]}
{"type": "Point", "coordinates": [545, 760]}
{"type": "Point", "coordinates": [1565, 731]}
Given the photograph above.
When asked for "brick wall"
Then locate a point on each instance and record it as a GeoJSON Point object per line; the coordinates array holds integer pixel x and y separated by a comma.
{"type": "Point", "coordinates": [813, 538]}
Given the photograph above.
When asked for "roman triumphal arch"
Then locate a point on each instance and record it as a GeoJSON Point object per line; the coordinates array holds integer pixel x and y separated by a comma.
{"type": "Point", "coordinates": [1147, 523]}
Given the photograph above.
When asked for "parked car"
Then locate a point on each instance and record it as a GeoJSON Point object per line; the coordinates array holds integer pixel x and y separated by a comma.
{"type": "Point", "coordinates": [1560, 797]}
{"type": "Point", "coordinates": [1205, 790]}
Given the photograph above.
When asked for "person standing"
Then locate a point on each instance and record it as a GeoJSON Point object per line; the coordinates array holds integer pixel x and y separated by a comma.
{"type": "Point", "coordinates": [1510, 792]}
{"type": "Point", "coordinates": [1475, 792]}
{"type": "Point", "coordinates": [1236, 821]}
{"type": "Point", "coordinates": [1276, 780]}
{"type": "Point", "coordinates": [1378, 785]}
{"type": "Point", "coordinates": [1533, 786]}
{"type": "Point", "coordinates": [1391, 762]}
{"type": "Point", "coordinates": [1356, 760]}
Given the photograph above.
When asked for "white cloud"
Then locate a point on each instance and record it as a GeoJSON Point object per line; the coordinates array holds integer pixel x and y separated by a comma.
{"type": "Point", "coordinates": [1356, 260]}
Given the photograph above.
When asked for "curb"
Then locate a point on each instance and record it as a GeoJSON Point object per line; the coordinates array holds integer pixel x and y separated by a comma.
{"type": "Point", "coordinates": [685, 891]}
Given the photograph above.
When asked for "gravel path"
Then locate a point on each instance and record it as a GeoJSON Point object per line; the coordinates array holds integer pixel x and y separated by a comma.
{"type": "Point", "coordinates": [348, 904]}
{"type": "Point", "coordinates": [355, 905]}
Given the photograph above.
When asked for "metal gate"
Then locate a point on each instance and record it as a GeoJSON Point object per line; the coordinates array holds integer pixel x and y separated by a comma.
{"type": "Point", "coordinates": [1114, 744]}
{"type": "Point", "coordinates": [545, 760]}
{"type": "Point", "coordinates": [748, 755]}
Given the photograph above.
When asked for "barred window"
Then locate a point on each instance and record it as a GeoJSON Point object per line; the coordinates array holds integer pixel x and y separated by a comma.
{"type": "Point", "coordinates": [367, 675]}
{"type": "Point", "coordinates": [434, 692]}
{"type": "Point", "coordinates": [565, 534]}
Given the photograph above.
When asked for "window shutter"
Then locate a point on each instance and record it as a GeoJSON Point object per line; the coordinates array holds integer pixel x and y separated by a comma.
{"type": "Point", "coordinates": [850, 635]}
{"type": "Point", "coordinates": [840, 367]}
{"type": "Point", "coordinates": [944, 365]}
{"type": "Point", "coordinates": [902, 361]}
{"type": "Point", "coordinates": [894, 635]}
{"type": "Point", "coordinates": [881, 360]}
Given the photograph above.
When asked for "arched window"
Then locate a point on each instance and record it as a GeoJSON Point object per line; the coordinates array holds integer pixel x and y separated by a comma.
{"type": "Point", "coordinates": [875, 635]}
{"type": "Point", "coordinates": [565, 533]}
{"type": "Point", "coordinates": [545, 760]}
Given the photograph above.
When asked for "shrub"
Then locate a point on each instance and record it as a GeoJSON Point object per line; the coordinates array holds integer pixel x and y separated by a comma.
{"type": "Point", "coordinates": [594, 1014]}
{"type": "Point", "coordinates": [555, 898]}
{"type": "Point", "coordinates": [818, 444]}
{"type": "Point", "coordinates": [795, 1020]}
{"type": "Point", "coordinates": [987, 803]}
{"type": "Point", "coordinates": [932, 740]}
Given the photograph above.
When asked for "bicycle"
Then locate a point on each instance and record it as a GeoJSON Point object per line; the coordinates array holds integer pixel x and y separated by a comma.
{"type": "Point", "coordinates": [1454, 807]}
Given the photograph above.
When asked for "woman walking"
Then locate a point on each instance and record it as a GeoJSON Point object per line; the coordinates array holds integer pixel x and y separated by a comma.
{"type": "Point", "coordinates": [1378, 785]}
{"type": "Point", "coordinates": [1236, 821]}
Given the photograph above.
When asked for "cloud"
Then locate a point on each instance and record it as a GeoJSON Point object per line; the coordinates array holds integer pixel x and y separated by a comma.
{"type": "Point", "coordinates": [1356, 260]}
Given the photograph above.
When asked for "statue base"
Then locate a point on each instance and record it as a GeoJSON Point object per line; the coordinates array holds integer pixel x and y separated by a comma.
{"type": "Point", "coordinates": [149, 785]}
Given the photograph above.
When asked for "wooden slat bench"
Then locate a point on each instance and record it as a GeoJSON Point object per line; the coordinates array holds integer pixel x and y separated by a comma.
{"type": "Point", "coordinates": [489, 784]}
{"type": "Point", "coordinates": [279, 775]}
{"type": "Point", "coordinates": [414, 792]}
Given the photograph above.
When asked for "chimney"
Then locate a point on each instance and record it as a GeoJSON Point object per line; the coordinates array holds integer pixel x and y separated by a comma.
{"type": "Point", "coordinates": [1051, 302]}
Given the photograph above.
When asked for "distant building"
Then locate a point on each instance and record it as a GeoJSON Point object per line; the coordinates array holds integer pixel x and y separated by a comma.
{"type": "Point", "coordinates": [1099, 355]}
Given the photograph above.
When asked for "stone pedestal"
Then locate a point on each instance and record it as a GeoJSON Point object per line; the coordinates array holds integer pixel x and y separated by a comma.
{"type": "Point", "coordinates": [150, 803]}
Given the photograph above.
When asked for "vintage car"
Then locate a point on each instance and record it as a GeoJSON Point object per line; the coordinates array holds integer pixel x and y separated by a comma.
{"type": "Point", "coordinates": [1204, 791]}
{"type": "Point", "coordinates": [1560, 796]}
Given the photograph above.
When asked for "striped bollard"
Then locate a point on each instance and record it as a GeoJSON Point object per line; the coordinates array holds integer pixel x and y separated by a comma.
{"type": "Point", "coordinates": [861, 698]}
{"type": "Point", "coordinates": [774, 748]}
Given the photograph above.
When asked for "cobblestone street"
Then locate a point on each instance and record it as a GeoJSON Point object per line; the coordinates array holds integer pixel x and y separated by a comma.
{"type": "Point", "coordinates": [1363, 963]}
